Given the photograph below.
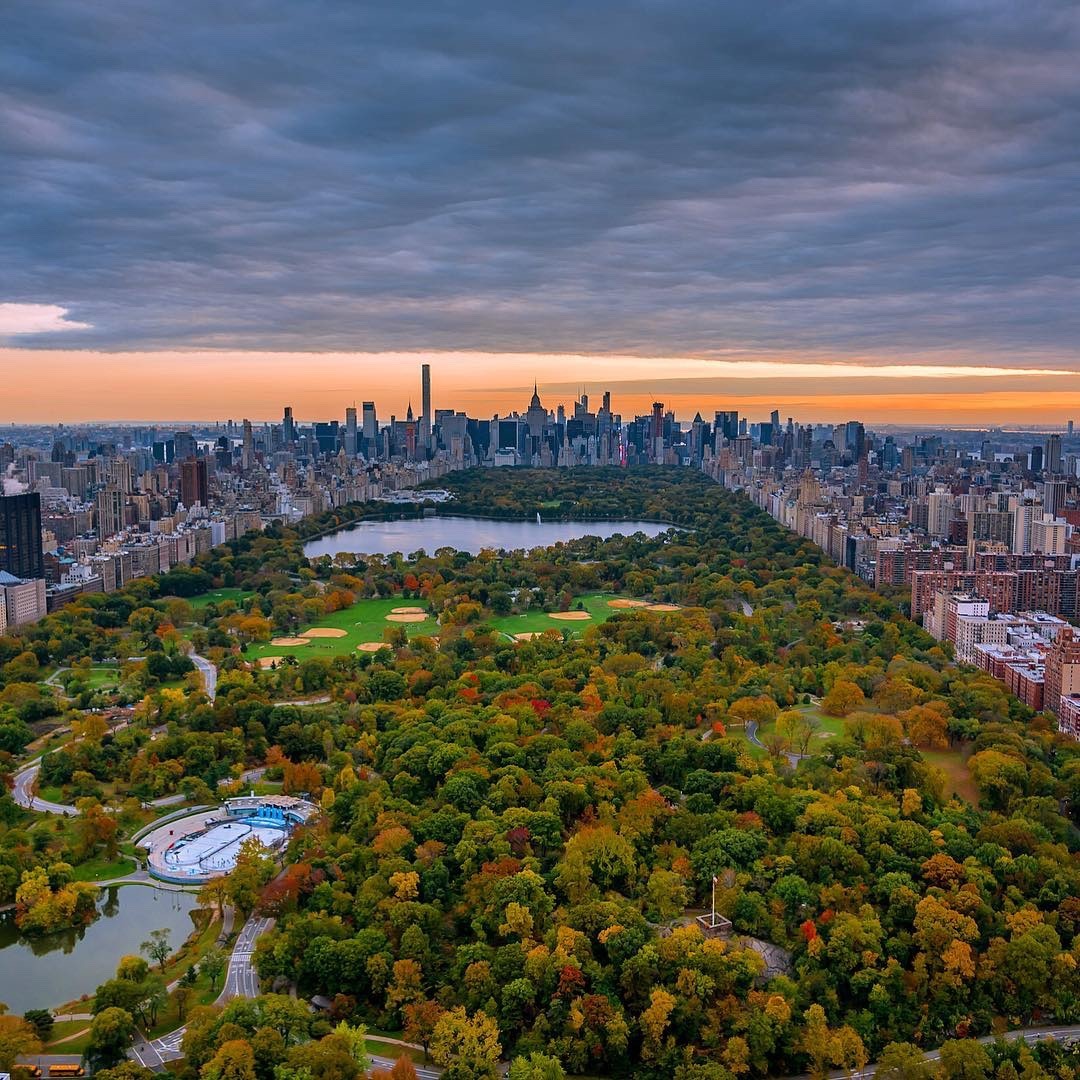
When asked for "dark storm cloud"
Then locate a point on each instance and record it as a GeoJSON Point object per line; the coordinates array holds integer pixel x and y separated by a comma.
{"type": "Point", "coordinates": [669, 177]}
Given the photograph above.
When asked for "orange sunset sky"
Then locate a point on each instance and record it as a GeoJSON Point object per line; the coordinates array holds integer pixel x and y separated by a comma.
{"type": "Point", "coordinates": [70, 385]}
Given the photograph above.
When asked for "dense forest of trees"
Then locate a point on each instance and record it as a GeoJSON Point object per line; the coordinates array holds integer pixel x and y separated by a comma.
{"type": "Point", "coordinates": [518, 835]}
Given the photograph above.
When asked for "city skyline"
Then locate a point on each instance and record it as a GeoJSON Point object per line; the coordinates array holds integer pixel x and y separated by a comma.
{"type": "Point", "coordinates": [217, 385]}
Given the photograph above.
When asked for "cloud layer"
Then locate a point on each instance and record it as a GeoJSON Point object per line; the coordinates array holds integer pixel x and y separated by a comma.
{"type": "Point", "coordinates": [818, 179]}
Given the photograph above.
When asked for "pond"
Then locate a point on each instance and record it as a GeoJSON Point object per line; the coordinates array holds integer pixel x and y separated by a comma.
{"type": "Point", "coordinates": [41, 972]}
{"type": "Point", "coordinates": [465, 534]}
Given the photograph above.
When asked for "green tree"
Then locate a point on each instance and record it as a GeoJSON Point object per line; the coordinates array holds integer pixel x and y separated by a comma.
{"type": "Point", "coordinates": [536, 1066]}
{"type": "Point", "coordinates": [111, 1033]}
{"type": "Point", "coordinates": [212, 965]}
{"type": "Point", "coordinates": [964, 1059]}
{"type": "Point", "coordinates": [157, 947]}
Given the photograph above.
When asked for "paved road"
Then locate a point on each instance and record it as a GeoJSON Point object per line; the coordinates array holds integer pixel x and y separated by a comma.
{"type": "Point", "coordinates": [751, 734]}
{"type": "Point", "coordinates": [424, 1072]}
{"type": "Point", "coordinates": [209, 674]}
{"type": "Point", "coordinates": [1069, 1034]}
{"type": "Point", "coordinates": [241, 981]}
{"type": "Point", "coordinates": [23, 793]}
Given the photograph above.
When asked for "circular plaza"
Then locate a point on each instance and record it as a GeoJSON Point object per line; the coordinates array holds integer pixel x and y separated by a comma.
{"type": "Point", "coordinates": [205, 845]}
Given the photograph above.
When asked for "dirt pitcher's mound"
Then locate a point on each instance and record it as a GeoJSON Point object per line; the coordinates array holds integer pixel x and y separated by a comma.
{"type": "Point", "coordinates": [663, 607]}
{"type": "Point", "coordinates": [270, 661]}
{"type": "Point", "coordinates": [623, 602]}
{"type": "Point", "coordinates": [407, 611]}
{"type": "Point", "coordinates": [570, 616]}
{"type": "Point", "coordinates": [373, 646]}
{"type": "Point", "coordinates": [416, 616]}
{"type": "Point", "coordinates": [290, 641]}
{"type": "Point", "coordinates": [325, 631]}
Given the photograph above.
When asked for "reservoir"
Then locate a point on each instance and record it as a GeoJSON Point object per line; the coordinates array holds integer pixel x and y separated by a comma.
{"type": "Point", "coordinates": [42, 972]}
{"type": "Point", "coordinates": [465, 534]}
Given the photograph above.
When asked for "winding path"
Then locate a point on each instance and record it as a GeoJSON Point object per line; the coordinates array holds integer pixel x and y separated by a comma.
{"type": "Point", "coordinates": [208, 672]}
{"type": "Point", "coordinates": [751, 735]}
{"type": "Point", "coordinates": [23, 793]}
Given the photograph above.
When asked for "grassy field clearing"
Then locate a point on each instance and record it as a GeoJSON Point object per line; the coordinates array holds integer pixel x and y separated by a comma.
{"type": "Point", "coordinates": [597, 605]}
{"type": "Point", "coordinates": [364, 621]}
{"type": "Point", "coordinates": [958, 779]}
{"type": "Point", "coordinates": [217, 596]}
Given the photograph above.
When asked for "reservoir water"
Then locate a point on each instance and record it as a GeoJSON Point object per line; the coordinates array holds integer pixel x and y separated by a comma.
{"type": "Point", "coordinates": [465, 534]}
{"type": "Point", "coordinates": [42, 972]}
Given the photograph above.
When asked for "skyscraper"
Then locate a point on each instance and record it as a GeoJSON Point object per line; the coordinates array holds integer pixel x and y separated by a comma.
{"type": "Point", "coordinates": [425, 404]}
{"type": "Point", "coordinates": [194, 482]}
{"type": "Point", "coordinates": [288, 426]}
{"type": "Point", "coordinates": [20, 535]}
{"type": "Point", "coordinates": [247, 455]}
{"type": "Point", "coordinates": [371, 424]}
{"type": "Point", "coordinates": [350, 431]}
{"type": "Point", "coordinates": [109, 505]}
{"type": "Point", "coordinates": [1052, 455]}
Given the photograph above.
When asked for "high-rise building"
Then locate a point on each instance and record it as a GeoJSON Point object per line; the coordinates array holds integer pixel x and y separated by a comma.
{"type": "Point", "coordinates": [109, 505]}
{"type": "Point", "coordinates": [350, 431]}
{"type": "Point", "coordinates": [1052, 461]}
{"type": "Point", "coordinates": [183, 445]}
{"type": "Point", "coordinates": [288, 426]}
{"type": "Point", "coordinates": [425, 404]}
{"type": "Point", "coordinates": [247, 456]}
{"type": "Point", "coordinates": [371, 424]}
{"type": "Point", "coordinates": [194, 482]}
{"type": "Point", "coordinates": [940, 512]}
{"type": "Point", "coordinates": [1062, 668]}
{"type": "Point", "coordinates": [20, 536]}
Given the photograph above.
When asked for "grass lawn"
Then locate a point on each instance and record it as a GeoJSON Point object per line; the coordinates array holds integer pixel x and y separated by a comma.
{"type": "Point", "coordinates": [364, 621]}
{"type": "Point", "coordinates": [101, 870]}
{"type": "Point", "coordinates": [958, 780]}
{"type": "Point", "coordinates": [828, 727]}
{"type": "Point", "coordinates": [217, 596]}
{"type": "Point", "coordinates": [101, 675]}
{"type": "Point", "coordinates": [534, 622]}
{"type": "Point", "coordinates": [63, 1031]}
{"type": "Point", "coordinates": [393, 1052]}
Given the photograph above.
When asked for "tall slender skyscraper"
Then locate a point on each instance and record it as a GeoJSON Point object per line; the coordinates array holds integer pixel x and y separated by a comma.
{"type": "Point", "coordinates": [288, 426]}
{"type": "Point", "coordinates": [371, 426]}
{"type": "Point", "coordinates": [247, 455]}
{"type": "Point", "coordinates": [350, 431]}
{"type": "Point", "coordinates": [425, 402]}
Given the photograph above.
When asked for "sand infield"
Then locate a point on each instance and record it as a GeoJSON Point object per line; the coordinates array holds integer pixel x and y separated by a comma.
{"type": "Point", "coordinates": [410, 617]}
{"type": "Point", "coordinates": [407, 611]}
{"type": "Point", "coordinates": [570, 616]}
{"type": "Point", "coordinates": [528, 635]}
{"type": "Point", "coordinates": [290, 641]}
{"type": "Point", "coordinates": [622, 602]}
{"type": "Point", "coordinates": [663, 607]}
{"type": "Point", "coordinates": [372, 646]}
{"type": "Point", "coordinates": [270, 661]}
{"type": "Point", "coordinates": [324, 631]}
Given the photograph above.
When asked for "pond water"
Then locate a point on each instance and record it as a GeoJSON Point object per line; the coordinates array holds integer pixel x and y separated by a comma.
{"type": "Point", "coordinates": [465, 534]}
{"type": "Point", "coordinates": [41, 972]}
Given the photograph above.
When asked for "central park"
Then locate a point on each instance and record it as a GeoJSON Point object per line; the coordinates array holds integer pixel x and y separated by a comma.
{"type": "Point", "coordinates": [686, 801]}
